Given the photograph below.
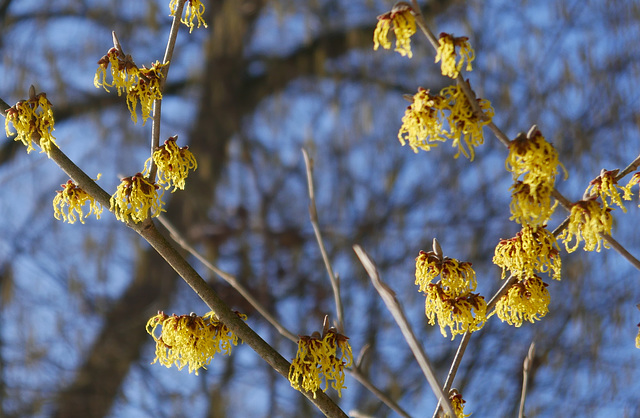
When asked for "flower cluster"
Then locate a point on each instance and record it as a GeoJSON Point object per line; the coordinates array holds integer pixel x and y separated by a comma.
{"type": "Point", "coordinates": [447, 54]}
{"type": "Point", "coordinates": [140, 84]}
{"type": "Point", "coordinates": [423, 121]}
{"type": "Point", "coordinates": [317, 357]}
{"type": "Point", "coordinates": [135, 197]}
{"type": "Point", "coordinates": [190, 339]}
{"type": "Point", "coordinates": [33, 121]}
{"type": "Point", "coordinates": [533, 249]}
{"type": "Point", "coordinates": [194, 9]}
{"type": "Point", "coordinates": [464, 123]}
{"type": "Point", "coordinates": [404, 26]}
{"type": "Point", "coordinates": [173, 164]}
{"type": "Point", "coordinates": [450, 300]}
{"type": "Point", "coordinates": [605, 186]}
{"type": "Point", "coordinates": [533, 158]}
{"type": "Point", "coordinates": [526, 300]}
{"type": "Point", "coordinates": [588, 220]}
{"type": "Point", "coordinates": [73, 198]}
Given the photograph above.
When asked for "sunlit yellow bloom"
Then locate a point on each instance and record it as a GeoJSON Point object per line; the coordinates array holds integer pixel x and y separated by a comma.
{"type": "Point", "coordinates": [422, 121]}
{"type": "Point", "coordinates": [605, 186]}
{"type": "Point", "coordinates": [533, 249]}
{"type": "Point", "coordinates": [190, 339]}
{"type": "Point", "coordinates": [457, 403]}
{"type": "Point", "coordinates": [465, 126]}
{"type": "Point", "coordinates": [535, 158]}
{"type": "Point", "coordinates": [73, 198]}
{"type": "Point", "coordinates": [33, 121]}
{"type": "Point", "coordinates": [140, 84]}
{"type": "Point", "coordinates": [173, 164]}
{"type": "Point", "coordinates": [193, 9]}
{"type": "Point", "coordinates": [525, 301]}
{"type": "Point", "coordinates": [531, 206]}
{"type": "Point", "coordinates": [460, 313]}
{"type": "Point", "coordinates": [124, 73]}
{"type": "Point", "coordinates": [447, 54]}
{"type": "Point", "coordinates": [318, 358]}
{"type": "Point", "coordinates": [638, 338]}
{"type": "Point", "coordinates": [457, 276]}
{"type": "Point", "coordinates": [147, 90]}
{"type": "Point", "coordinates": [635, 179]}
{"type": "Point", "coordinates": [587, 221]}
{"type": "Point", "coordinates": [404, 26]}
{"type": "Point", "coordinates": [135, 197]}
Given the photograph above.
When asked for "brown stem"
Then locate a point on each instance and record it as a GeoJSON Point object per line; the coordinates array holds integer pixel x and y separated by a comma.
{"type": "Point", "coordinates": [157, 105]}
{"type": "Point", "coordinates": [313, 214]}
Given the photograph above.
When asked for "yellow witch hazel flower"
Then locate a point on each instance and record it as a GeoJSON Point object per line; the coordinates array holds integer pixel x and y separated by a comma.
{"type": "Point", "coordinates": [526, 300]}
{"type": "Point", "coordinates": [635, 179]}
{"type": "Point", "coordinates": [447, 54]}
{"type": "Point", "coordinates": [135, 197]}
{"type": "Point", "coordinates": [147, 91]}
{"type": "Point", "coordinates": [124, 72]}
{"type": "Point", "coordinates": [33, 121]}
{"type": "Point", "coordinates": [194, 9]}
{"type": "Point", "coordinates": [588, 219]}
{"type": "Point", "coordinates": [535, 158]}
{"type": "Point", "coordinates": [422, 121]}
{"type": "Point", "coordinates": [404, 26]}
{"type": "Point", "coordinates": [68, 203]}
{"type": "Point", "coordinates": [465, 126]}
{"type": "Point", "coordinates": [533, 249]}
{"type": "Point", "coordinates": [140, 84]}
{"type": "Point", "coordinates": [173, 164]}
{"type": "Point", "coordinates": [456, 275]}
{"type": "Point", "coordinates": [531, 205]}
{"type": "Point", "coordinates": [190, 339]}
{"type": "Point", "coordinates": [457, 403]}
{"type": "Point", "coordinates": [462, 313]}
{"type": "Point", "coordinates": [450, 300]}
{"type": "Point", "coordinates": [317, 357]}
{"type": "Point", "coordinates": [606, 187]}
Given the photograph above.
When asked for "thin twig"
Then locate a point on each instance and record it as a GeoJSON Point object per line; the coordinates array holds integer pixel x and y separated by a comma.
{"type": "Point", "coordinates": [313, 214]}
{"type": "Point", "coordinates": [364, 381]}
{"type": "Point", "coordinates": [231, 280]}
{"type": "Point", "coordinates": [628, 169]}
{"type": "Point", "coordinates": [389, 298]}
{"type": "Point", "coordinates": [4, 107]}
{"type": "Point", "coordinates": [157, 104]}
{"type": "Point", "coordinates": [621, 250]}
{"type": "Point", "coordinates": [526, 368]}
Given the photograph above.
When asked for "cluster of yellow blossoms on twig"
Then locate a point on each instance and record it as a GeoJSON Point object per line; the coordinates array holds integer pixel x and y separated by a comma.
{"type": "Point", "coordinates": [456, 114]}
{"type": "Point", "coordinates": [433, 118]}
{"type": "Point", "coordinates": [317, 359]}
{"type": "Point", "coordinates": [190, 340]}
